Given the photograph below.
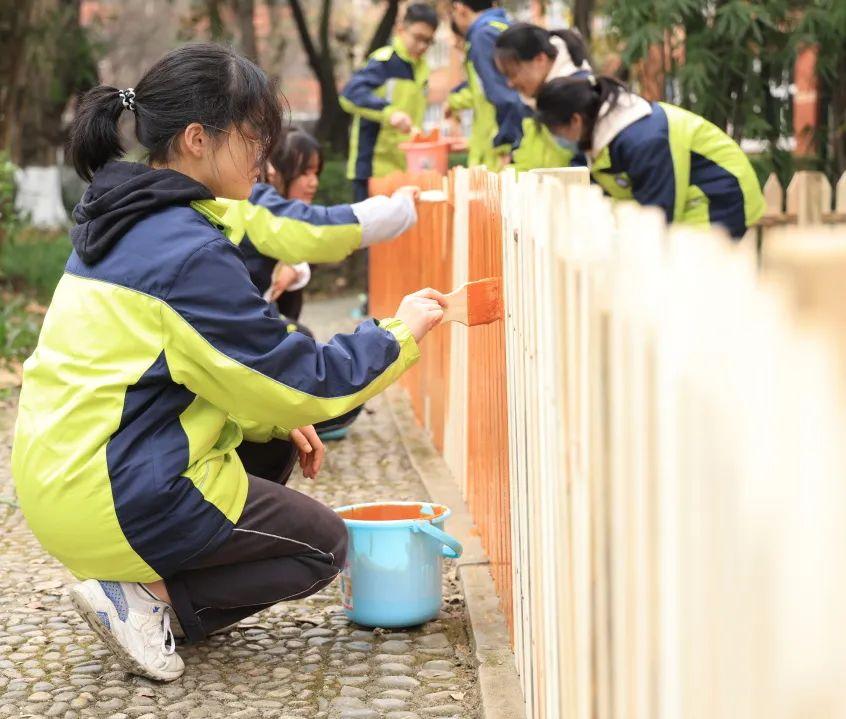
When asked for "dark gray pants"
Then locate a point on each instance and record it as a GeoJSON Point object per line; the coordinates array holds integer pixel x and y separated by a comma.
{"type": "Point", "coordinates": [285, 546]}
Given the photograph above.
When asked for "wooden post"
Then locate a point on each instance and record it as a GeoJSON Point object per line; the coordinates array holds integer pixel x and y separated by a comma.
{"type": "Point", "coordinates": [808, 197]}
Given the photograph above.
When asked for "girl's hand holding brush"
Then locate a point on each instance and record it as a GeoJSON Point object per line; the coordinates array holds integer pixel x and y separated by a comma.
{"type": "Point", "coordinates": [422, 311]}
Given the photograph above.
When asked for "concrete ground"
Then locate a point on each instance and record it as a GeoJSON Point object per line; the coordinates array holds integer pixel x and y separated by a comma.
{"type": "Point", "coordinates": [294, 660]}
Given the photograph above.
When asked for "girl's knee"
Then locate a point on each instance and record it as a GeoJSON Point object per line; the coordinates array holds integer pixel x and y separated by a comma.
{"type": "Point", "coordinates": [339, 539]}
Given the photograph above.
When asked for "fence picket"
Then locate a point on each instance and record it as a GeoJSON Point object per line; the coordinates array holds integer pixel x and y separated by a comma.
{"type": "Point", "coordinates": [808, 197]}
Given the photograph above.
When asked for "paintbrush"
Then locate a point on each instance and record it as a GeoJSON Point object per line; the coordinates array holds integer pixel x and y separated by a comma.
{"type": "Point", "coordinates": [475, 303]}
{"type": "Point", "coordinates": [432, 196]}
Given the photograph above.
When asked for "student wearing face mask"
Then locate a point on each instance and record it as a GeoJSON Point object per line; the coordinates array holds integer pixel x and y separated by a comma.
{"type": "Point", "coordinates": [655, 153]}
{"type": "Point", "coordinates": [529, 56]}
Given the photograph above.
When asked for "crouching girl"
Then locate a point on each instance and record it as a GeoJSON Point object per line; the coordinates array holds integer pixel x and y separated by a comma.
{"type": "Point", "coordinates": [157, 359]}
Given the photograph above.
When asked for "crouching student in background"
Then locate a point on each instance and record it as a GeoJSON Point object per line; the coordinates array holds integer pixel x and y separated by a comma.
{"type": "Point", "coordinates": [158, 358]}
{"type": "Point", "coordinates": [281, 226]}
{"type": "Point", "coordinates": [654, 153]}
{"type": "Point", "coordinates": [313, 232]}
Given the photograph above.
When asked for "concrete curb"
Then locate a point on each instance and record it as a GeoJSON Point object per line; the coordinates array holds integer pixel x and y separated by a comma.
{"type": "Point", "coordinates": [501, 695]}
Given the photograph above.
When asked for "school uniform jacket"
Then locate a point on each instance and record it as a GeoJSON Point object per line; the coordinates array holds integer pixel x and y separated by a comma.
{"type": "Point", "coordinates": [460, 97]}
{"type": "Point", "coordinates": [663, 155]}
{"type": "Point", "coordinates": [390, 82]}
{"type": "Point", "coordinates": [157, 357]}
{"type": "Point", "coordinates": [498, 111]}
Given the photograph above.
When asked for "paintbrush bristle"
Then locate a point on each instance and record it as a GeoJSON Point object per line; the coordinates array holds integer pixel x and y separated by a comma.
{"type": "Point", "coordinates": [484, 301]}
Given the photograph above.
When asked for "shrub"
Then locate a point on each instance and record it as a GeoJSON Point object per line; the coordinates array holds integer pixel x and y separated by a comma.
{"type": "Point", "coordinates": [33, 260]}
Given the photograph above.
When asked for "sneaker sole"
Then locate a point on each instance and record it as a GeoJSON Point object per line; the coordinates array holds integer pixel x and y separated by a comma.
{"type": "Point", "coordinates": [130, 663]}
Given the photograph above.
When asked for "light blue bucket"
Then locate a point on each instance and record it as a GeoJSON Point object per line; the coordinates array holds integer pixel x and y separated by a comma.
{"type": "Point", "coordinates": [392, 577]}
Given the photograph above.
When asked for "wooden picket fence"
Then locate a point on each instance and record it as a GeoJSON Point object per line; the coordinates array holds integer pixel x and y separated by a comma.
{"type": "Point", "coordinates": [462, 372]}
{"type": "Point", "coordinates": [651, 443]}
{"type": "Point", "coordinates": [809, 199]}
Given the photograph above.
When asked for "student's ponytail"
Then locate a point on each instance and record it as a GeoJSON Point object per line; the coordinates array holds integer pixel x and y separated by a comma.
{"type": "Point", "coordinates": [560, 99]}
{"type": "Point", "coordinates": [575, 45]}
{"type": "Point", "coordinates": [94, 136]}
{"type": "Point", "coordinates": [203, 83]}
{"type": "Point", "coordinates": [523, 41]}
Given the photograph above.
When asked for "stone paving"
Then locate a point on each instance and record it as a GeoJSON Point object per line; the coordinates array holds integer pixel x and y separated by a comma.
{"type": "Point", "coordinates": [292, 661]}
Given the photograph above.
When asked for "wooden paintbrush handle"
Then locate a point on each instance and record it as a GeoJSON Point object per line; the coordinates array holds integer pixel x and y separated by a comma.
{"type": "Point", "coordinates": [456, 309]}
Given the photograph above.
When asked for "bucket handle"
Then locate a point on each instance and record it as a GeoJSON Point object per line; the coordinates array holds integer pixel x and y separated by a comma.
{"type": "Point", "coordinates": [452, 548]}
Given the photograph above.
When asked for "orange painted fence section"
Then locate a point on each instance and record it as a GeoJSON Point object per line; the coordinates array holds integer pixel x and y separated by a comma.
{"type": "Point", "coordinates": [426, 257]}
{"type": "Point", "coordinates": [488, 491]}
{"type": "Point", "coordinates": [420, 258]}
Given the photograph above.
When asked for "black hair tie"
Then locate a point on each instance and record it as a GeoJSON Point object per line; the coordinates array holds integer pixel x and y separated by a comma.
{"type": "Point", "coordinates": [127, 97]}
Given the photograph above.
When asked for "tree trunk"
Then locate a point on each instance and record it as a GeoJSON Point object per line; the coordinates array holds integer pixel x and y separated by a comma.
{"type": "Point", "coordinates": [333, 125]}
{"type": "Point", "coordinates": [385, 27]}
{"type": "Point", "coordinates": [838, 121]}
{"type": "Point", "coordinates": [216, 28]}
{"type": "Point", "coordinates": [583, 16]}
{"type": "Point", "coordinates": [245, 12]}
{"type": "Point", "coordinates": [14, 28]}
{"type": "Point", "coordinates": [56, 65]}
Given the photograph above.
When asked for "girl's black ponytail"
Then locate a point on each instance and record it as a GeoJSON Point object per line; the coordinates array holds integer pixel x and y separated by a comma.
{"type": "Point", "coordinates": [94, 136]}
{"type": "Point", "coordinates": [204, 83]}
{"type": "Point", "coordinates": [560, 99]}
{"type": "Point", "coordinates": [575, 45]}
{"type": "Point", "coordinates": [523, 41]}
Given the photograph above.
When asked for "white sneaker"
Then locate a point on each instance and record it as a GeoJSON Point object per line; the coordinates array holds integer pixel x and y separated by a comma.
{"type": "Point", "coordinates": [134, 625]}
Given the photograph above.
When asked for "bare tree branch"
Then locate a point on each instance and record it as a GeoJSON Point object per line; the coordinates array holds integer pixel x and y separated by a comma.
{"type": "Point", "coordinates": [245, 11]}
{"type": "Point", "coordinates": [325, 12]}
{"type": "Point", "coordinates": [215, 20]}
{"type": "Point", "coordinates": [386, 26]}
{"type": "Point", "coordinates": [311, 52]}
{"type": "Point", "coordinates": [582, 16]}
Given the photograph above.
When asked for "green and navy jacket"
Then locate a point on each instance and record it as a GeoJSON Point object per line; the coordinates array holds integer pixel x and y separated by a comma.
{"type": "Point", "coordinates": [156, 359]}
{"type": "Point", "coordinates": [390, 82]}
{"type": "Point", "coordinates": [498, 111]}
{"type": "Point", "coordinates": [460, 97]}
{"type": "Point", "coordinates": [665, 156]}
{"type": "Point", "coordinates": [270, 228]}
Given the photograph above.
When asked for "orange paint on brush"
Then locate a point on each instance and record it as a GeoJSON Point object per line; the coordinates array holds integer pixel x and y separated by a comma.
{"type": "Point", "coordinates": [475, 303]}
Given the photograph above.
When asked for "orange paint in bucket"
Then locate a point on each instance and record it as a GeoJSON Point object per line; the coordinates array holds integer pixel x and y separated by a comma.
{"type": "Point", "coordinates": [392, 512]}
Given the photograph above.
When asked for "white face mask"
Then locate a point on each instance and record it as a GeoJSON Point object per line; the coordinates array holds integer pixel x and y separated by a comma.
{"type": "Point", "coordinates": [567, 144]}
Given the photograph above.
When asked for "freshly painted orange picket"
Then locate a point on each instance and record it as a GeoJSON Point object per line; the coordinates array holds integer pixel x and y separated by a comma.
{"type": "Point", "coordinates": [487, 455]}
{"type": "Point", "coordinates": [423, 258]}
